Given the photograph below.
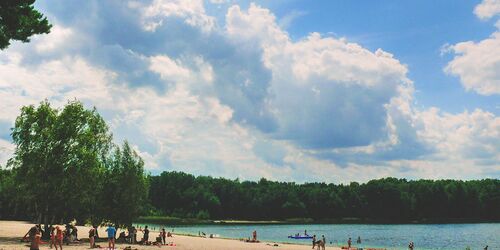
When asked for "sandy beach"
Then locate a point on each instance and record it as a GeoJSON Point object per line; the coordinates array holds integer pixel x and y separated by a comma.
{"type": "Point", "coordinates": [12, 231]}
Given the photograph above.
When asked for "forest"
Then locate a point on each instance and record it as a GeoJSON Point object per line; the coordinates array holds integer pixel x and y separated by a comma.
{"type": "Point", "coordinates": [384, 200]}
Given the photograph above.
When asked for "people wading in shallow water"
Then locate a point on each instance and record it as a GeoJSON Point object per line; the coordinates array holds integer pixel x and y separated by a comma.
{"type": "Point", "coordinates": [411, 245]}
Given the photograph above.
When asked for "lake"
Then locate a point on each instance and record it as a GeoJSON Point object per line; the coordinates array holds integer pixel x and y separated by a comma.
{"type": "Point", "coordinates": [425, 236]}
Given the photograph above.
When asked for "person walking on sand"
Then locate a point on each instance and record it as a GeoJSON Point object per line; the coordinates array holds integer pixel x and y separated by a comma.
{"type": "Point", "coordinates": [111, 236]}
{"type": "Point", "coordinates": [314, 241]}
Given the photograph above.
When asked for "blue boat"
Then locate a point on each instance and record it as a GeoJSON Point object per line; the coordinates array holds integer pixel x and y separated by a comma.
{"type": "Point", "coordinates": [300, 237]}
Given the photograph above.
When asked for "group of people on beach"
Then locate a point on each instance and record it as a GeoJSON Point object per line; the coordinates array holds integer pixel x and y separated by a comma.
{"type": "Point", "coordinates": [129, 237]}
{"type": "Point", "coordinates": [56, 236]}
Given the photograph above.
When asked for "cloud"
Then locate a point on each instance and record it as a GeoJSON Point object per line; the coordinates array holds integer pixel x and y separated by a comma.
{"type": "Point", "coordinates": [325, 92]}
{"type": "Point", "coordinates": [476, 65]}
{"type": "Point", "coordinates": [487, 9]}
{"type": "Point", "coordinates": [241, 98]}
{"type": "Point", "coordinates": [154, 14]}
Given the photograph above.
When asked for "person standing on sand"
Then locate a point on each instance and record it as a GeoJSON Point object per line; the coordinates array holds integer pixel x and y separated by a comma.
{"type": "Point", "coordinates": [92, 237]}
{"type": "Point", "coordinates": [52, 236]}
{"type": "Point", "coordinates": [349, 242]}
{"type": "Point", "coordinates": [35, 236]}
{"type": "Point", "coordinates": [145, 238]}
{"type": "Point", "coordinates": [163, 236]}
{"type": "Point", "coordinates": [254, 234]}
{"type": "Point", "coordinates": [111, 236]}
{"type": "Point", "coordinates": [314, 241]}
{"type": "Point", "coordinates": [59, 237]}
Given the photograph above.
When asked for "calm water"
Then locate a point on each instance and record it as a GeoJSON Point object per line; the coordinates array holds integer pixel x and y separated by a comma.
{"type": "Point", "coordinates": [435, 236]}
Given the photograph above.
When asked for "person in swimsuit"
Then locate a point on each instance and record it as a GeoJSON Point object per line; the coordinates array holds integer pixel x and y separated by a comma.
{"type": "Point", "coordinates": [314, 241]}
{"type": "Point", "coordinates": [349, 242]}
{"type": "Point", "coordinates": [35, 238]}
{"type": "Point", "coordinates": [59, 237]}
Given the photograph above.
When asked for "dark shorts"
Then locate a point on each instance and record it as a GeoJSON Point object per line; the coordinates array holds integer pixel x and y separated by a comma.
{"type": "Point", "coordinates": [32, 248]}
{"type": "Point", "coordinates": [111, 238]}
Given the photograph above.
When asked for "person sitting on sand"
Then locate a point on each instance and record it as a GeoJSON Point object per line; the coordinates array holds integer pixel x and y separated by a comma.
{"type": "Point", "coordinates": [111, 236]}
{"type": "Point", "coordinates": [34, 235]}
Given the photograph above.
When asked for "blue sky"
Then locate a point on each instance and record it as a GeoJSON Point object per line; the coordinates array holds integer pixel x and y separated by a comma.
{"type": "Point", "coordinates": [333, 91]}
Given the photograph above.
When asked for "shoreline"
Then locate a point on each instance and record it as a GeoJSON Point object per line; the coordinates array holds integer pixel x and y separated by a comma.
{"type": "Point", "coordinates": [305, 221]}
{"type": "Point", "coordinates": [12, 231]}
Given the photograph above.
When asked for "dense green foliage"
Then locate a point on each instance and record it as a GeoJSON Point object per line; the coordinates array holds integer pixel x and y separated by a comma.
{"type": "Point", "coordinates": [19, 20]}
{"type": "Point", "coordinates": [385, 200]}
{"type": "Point", "coordinates": [64, 167]}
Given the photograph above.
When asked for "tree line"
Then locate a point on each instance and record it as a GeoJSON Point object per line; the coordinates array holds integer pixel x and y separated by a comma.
{"type": "Point", "coordinates": [383, 200]}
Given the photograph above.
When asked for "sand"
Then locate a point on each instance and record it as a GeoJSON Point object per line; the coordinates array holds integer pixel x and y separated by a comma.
{"type": "Point", "coordinates": [12, 231]}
